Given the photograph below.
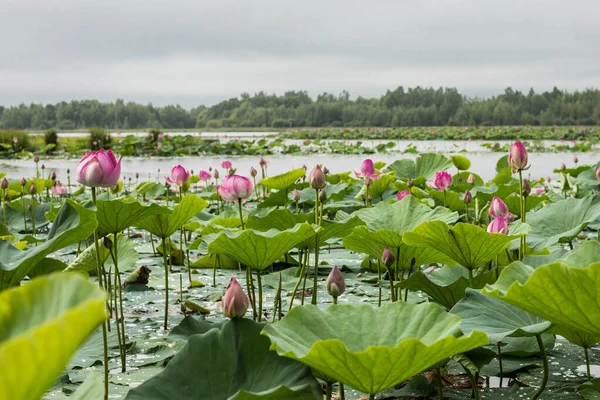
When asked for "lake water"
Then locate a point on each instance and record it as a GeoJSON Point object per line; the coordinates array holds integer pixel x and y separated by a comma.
{"type": "Point", "coordinates": [483, 163]}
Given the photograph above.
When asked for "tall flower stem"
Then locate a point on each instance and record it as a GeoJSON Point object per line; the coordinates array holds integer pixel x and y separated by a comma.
{"type": "Point", "coordinates": [379, 282]}
{"type": "Point", "coordinates": [500, 363]}
{"type": "Point", "coordinates": [114, 252]}
{"type": "Point", "coordinates": [25, 208]}
{"type": "Point", "coordinates": [300, 276]}
{"type": "Point", "coordinates": [538, 392]}
{"type": "Point", "coordinates": [587, 363]}
{"type": "Point", "coordinates": [241, 214]}
{"type": "Point", "coordinates": [523, 242]}
{"type": "Point", "coordinates": [259, 283]}
{"type": "Point", "coordinates": [164, 246]}
{"type": "Point", "coordinates": [316, 276]}
{"type": "Point", "coordinates": [99, 274]}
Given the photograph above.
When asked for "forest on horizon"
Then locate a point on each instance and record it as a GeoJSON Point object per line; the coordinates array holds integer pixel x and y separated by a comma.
{"type": "Point", "coordinates": [294, 109]}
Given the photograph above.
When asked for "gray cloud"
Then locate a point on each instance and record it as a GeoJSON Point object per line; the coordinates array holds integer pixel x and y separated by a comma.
{"type": "Point", "coordinates": [201, 51]}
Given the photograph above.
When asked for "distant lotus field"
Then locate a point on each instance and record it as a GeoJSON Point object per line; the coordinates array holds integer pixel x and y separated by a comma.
{"type": "Point", "coordinates": [412, 279]}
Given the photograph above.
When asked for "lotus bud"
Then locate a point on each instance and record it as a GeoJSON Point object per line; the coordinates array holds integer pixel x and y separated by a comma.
{"type": "Point", "coordinates": [98, 169]}
{"type": "Point", "coordinates": [296, 195]}
{"type": "Point", "coordinates": [388, 257]}
{"type": "Point", "coordinates": [263, 163]}
{"type": "Point", "coordinates": [53, 176]}
{"type": "Point", "coordinates": [137, 175]}
{"type": "Point", "coordinates": [526, 187]}
{"type": "Point", "coordinates": [32, 189]}
{"type": "Point", "coordinates": [29, 207]}
{"type": "Point", "coordinates": [316, 179]}
{"type": "Point", "coordinates": [304, 167]}
{"type": "Point", "coordinates": [498, 208]}
{"type": "Point", "coordinates": [597, 173]}
{"type": "Point", "coordinates": [402, 194]}
{"type": "Point", "coordinates": [335, 282]}
{"type": "Point", "coordinates": [216, 174]}
{"type": "Point", "coordinates": [548, 179]}
{"type": "Point", "coordinates": [235, 301]}
{"type": "Point", "coordinates": [509, 218]}
{"type": "Point", "coordinates": [231, 172]}
{"type": "Point", "coordinates": [409, 183]}
{"type": "Point", "coordinates": [107, 242]}
{"type": "Point", "coordinates": [43, 167]}
{"type": "Point", "coordinates": [517, 157]}
{"type": "Point", "coordinates": [563, 166]}
{"type": "Point", "coordinates": [471, 179]}
{"type": "Point", "coordinates": [68, 171]}
{"type": "Point", "coordinates": [467, 197]}
{"type": "Point", "coordinates": [4, 183]}
{"type": "Point", "coordinates": [36, 159]}
{"type": "Point", "coordinates": [325, 170]}
{"type": "Point", "coordinates": [322, 196]}
{"type": "Point", "coordinates": [498, 225]}
{"type": "Point", "coordinates": [23, 181]}
{"type": "Point", "coordinates": [253, 172]}
{"type": "Point", "coordinates": [575, 159]}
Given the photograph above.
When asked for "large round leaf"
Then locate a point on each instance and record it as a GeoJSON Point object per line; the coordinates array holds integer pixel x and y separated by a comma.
{"type": "Point", "coordinates": [166, 223]}
{"type": "Point", "coordinates": [425, 165]}
{"type": "Point", "coordinates": [41, 326]}
{"type": "Point", "coordinates": [371, 349]}
{"type": "Point", "coordinates": [231, 363]}
{"type": "Point", "coordinates": [497, 318]}
{"type": "Point", "coordinates": [115, 216]}
{"type": "Point", "coordinates": [283, 181]}
{"type": "Point", "coordinates": [561, 294]}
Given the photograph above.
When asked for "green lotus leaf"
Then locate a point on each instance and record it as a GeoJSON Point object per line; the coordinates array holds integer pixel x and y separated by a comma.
{"type": "Point", "coordinates": [514, 203]}
{"type": "Point", "coordinates": [115, 216]}
{"type": "Point", "coordinates": [425, 165]}
{"type": "Point", "coordinates": [232, 363]}
{"type": "Point", "coordinates": [165, 224]}
{"type": "Point", "coordinates": [453, 200]}
{"type": "Point", "coordinates": [586, 254]}
{"type": "Point", "coordinates": [86, 261]}
{"type": "Point", "coordinates": [334, 192]}
{"type": "Point", "coordinates": [258, 250]}
{"type": "Point", "coordinates": [562, 221]}
{"type": "Point", "coordinates": [468, 245]}
{"type": "Point", "coordinates": [220, 261]}
{"type": "Point", "coordinates": [280, 219]}
{"type": "Point", "coordinates": [460, 184]}
{"type": "Point", "coordinates": [14, 215]}
{"type": "Point", "coordinates": [72, 223]}
{"type": "Point", "coordinates": [363, 240]}
{"type": "Point", "coordinates": [561, 294]}
{"type": "Point", "coordinates": [41, 325]}
{"type": "Point", "coordinates": [446, 285]}
{"type": "Point", "coordinates": [461, 162]}
{"type": "Point", "coordinates": [283, 181]}
{"type": "Point", "coordinates": [577, 336]}
{"type": "Point", "coordinates": [91, 388]}
{"type": "Point", "coordinates": [403, 216]}
{"type": "Point", "coordinates": [497, 318]}
{"type": "Point", "coordinates": [340, 341]}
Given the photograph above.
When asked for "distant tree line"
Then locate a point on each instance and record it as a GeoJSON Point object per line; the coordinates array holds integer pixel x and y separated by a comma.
{"type": "Point", "coordinates": [401, 107]}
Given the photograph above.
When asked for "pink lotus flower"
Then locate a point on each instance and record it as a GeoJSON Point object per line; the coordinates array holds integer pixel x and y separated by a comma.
{"type": "Point", "coordinates": [441, 181]}
{"type": "Point", "coordinates": [179, 176]}
{"type": "Point", "coordinates": [235, 188]}
{"type": "Point", "coordinates": [15, 139]}
{"type": "Point", "coordinates": [402, 194]}
{"type": "Point", "coordinates": [204, 175]}
{"type": "Point", "coordinates": [598, 173]}
{"type": "Point", "coordinates": [498, 208]}
{"type": "Point", "coordinates": [226, 164]}
{"type": "Point", "coordinates": [98, 169]}
{"type": "Point", "coordinates": [59, 190]}
{"type": "Point", "coordinates": [235, 301]}
{"type": "Point", "coordinates": [498, 225]}
{"type": "Point", "coordinates": [367, 170]}
{"type": "Point", "coordinates": [509, 217]}
{"type": "Point", "coordinates": [517, 157]}
{"type": "Point", "coordinates": [539, 191]}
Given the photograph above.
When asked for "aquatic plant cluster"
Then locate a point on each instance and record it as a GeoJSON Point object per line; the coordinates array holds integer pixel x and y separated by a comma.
{"type": "Point", "coordinates": [411, 279]}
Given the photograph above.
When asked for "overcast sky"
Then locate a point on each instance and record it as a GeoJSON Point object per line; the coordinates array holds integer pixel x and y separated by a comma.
{"type": "Point", "coordinates": [202, 51]}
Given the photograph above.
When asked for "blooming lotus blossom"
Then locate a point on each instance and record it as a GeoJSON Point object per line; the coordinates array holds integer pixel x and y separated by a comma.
{"type": "Point", "coordinates": [226, 164]}
{"type": "Point", "coordinates": [367, 170]}
{"type": "Point", "coordinates": [98, 169]}
{"type": "Point", "coordinates": [59, 190]}
{"type": "Point", "coordinates": [335, 282]}
{"type": "Point", "coordinates": [204, 175]}
{"type": "Point", "coordinates": [517, 157]}
{"type": "Point", "coordinates": [235, 301]}
{"type": "Point", "coordinates": [235, 188]}
{"type": "Point", "coordinates": [498, 208]}
{"type": "Point", "coordinates": [179, 176]}
{"type": "Point", "coordinates": [498, 225]}
{"type": "Point", "coordinates": [402, 194]}
{"type": "Point", "coordinates": [441, 181]}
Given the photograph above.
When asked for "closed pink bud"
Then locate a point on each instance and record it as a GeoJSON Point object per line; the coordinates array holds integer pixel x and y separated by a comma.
{"type": "Point", "coordinates": [526, 187]}
{"type": "Point", "coordinates": [23, 181]}
{"type": "Point", "coordinates": [4, 183]}
{"type": "Point", "coordinates": [498, 225]}
{"type": "Point", "coordinates": [179, 176]}
{"type": "Point", "coordinates": [204, 175]}
{"type": "Point", "coordinates": [253, 172]}
{"type": "Point", "coordinates": [497, 208]}
{"type": "Point", "coordinates": [263, 163]}
{"type": "Point", "coordinates": [216, 173]}
{"type": "Point", "coordinates": [471, 179]}
{"type": "Point", "coordinates": [98, 169]}
{"type": "Point", "coordinates": [575, 159]}
{"type": "Point", "coordinates": [441, 181]}
{"type": "Point", "coordinates": [235, 301]}
{"type": "Point", "coordinates": [32, 189]}
{"type": "Point", "coordinates": [322, 196]}
{"type": "Point", "coordinates": [517, 157]}
{"type": "Point", "coordinates": [335, 282]}
{"type": "Point", "coordinates": [509, 218]}
{"type": "Point", "coordinates": [549, 179]}
{"type": "Point", "coordinates": [402, 194]}
{"type": "Point", "coordinates": [597, 173]}
{"type": "Point", "coordinates": [316, 179]}
{"type": "Point", "coordinates": [296, 195]}
{"type": "Point", "coordinates": [467, 197]}
{"type": "Point", "coordinates": [36, 159]}
{"type": "Point", "coordinates": [388, 257]}
{"type": "Point", "coordinates": [226, 164]}
{"type": "Point", "coordinates": [563, 166]}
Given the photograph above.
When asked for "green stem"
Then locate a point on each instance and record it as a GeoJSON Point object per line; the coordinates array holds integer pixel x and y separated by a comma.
{"type": "Point", "coordinates": [367, 197]}
{"type": "Point", "coordinates": [118, 284]}
{"type": "Point", "coordinates": [25, 208]}
{"type": "Point", "coordinates": [241, 214]}
{"type": "Point", "coordinates": [328, 393]}
{"type": "Point", "coordinates": [522, 246]}
{"type": "Point", "coordinates": [251, 291]}
{"type": "Point", "coordinates": [215, 270]}
{"type": "Point", "coordinates": [316, 276]}
{"type": "Point", "coordinates": [538, 392]}
{"type": "Point", "coordinates": [153, 248]}
{"type": "Point", "coordinates": [371, 396]}
{"type": "Point", "coordinates": [164, 246]}
{"type": "Point", "coordinates": [379, 282]}
{"type": "Point", "coordinates": [341, 393]}
{"type": "Point", "coordinates": [259, 283]}
{"type": "Point", "coordinates": [99, 274]}
{"type": "Point", "coordinates": [500, 363]}
{"type": "Point", "coordinates": [444, 197]}
{"type": "Point", "coordinates": [307, 269]}
{"type": "Point", "coordinates": [116, 310]}
{"type": "Point", "coordinates": [470, 278]}
{"type": "Point", "coordinates": [300, 276]}
{"type": "Point", "coordinates": [391, 276]}
{"type": "Point", "coordinates": [440, 384]}
{"type": "Point", "coordinates": [474, 386]}
{"type": "Point", "coordinates": [334, 299]}
{"type": "Point", "coordinates": [587, 363]}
